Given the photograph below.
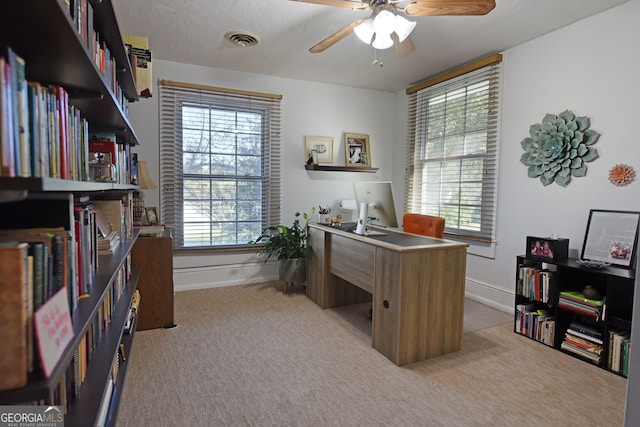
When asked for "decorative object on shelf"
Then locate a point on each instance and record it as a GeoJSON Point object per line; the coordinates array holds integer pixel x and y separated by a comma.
{"type": "Point", "coordinates": [591, 292]}
{"type": "Point", "coordinates": [547, 249]}
{"type": "Point", "coordinates": [101, 169]}
{"type": "Point", "coordinates": [596, 265]}
{"type": "Point", "coordinates": [146, 183]}
{"type": "Point", "coordinates": [152, 215]}
{"type": "Point", "coordinates": [558, 148]}
{"type": "Point", "coordinates": [357, 151]}
{"type": "Point", "coordinates": [621, 175]}
{"type": "Point", "coordinates": [611, 237]}
{"type": "Point", "coordinates": [324, 215]}
{"type": "Point", "coordinates": [289, 245]}
{"type": "Point", "coordinates": [323, 145]}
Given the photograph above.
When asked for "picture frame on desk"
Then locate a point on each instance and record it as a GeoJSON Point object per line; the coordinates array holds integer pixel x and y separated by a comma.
{"type": "Point", "coordinates": [547, 249]}
{"type": "Point", "coordinates": [152, 215]}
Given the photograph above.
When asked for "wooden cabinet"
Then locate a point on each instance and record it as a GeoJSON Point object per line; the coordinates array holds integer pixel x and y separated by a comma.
{"type": "Point", "coordinates": [550, 307]}
{"type": "Point", "coordinates": [154, 257]}
{"type": "Point", "coordinates": [54, 39]}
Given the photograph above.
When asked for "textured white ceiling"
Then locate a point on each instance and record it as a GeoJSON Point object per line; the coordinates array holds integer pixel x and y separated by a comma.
{"type": "Point", "coordinates": [192, 32]}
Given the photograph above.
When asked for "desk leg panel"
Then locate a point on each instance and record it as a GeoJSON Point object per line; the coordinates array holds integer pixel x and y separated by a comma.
{"type": "Point", "coordinates": [324, 288]}
{"type": "Point", "coordinates": [316, 268]}
{"type": "Point", "coordinates": [426, 307]}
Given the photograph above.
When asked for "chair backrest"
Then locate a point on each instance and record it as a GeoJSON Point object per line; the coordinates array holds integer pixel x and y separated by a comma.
{"type": "Point", "coordinates": [427, 225]}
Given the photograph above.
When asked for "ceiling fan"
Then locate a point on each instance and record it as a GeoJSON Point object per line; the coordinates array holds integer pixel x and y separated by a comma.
{"type": "Point", "coordinates": [384, 29]}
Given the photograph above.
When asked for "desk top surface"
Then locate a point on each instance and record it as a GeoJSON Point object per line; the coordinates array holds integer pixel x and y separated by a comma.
{"type": "Point", "coordinates": [392, 238]}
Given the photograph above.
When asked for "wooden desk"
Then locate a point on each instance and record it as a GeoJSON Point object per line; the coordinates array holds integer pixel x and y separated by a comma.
{"type": "Point", "coordinates": [416, 284]}
{"type": "Point", "coordinates": [154, 256]}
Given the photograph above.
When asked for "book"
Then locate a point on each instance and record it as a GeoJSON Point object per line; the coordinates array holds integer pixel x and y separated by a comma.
{"type": "Point", "coordinates": [35, 120]}
{"type": "Point", "coordinates": [585, 336]}
{"type": "Point", "coordinates": [22, 112]}
{"type": "Point", "coordinates": [110, 217]}
{"type": "Point", "coordinates": [140, 57]}
{"type": "Point", "coordinates": [13, 316]}
{"type": "Point", "coordinates": [152, 230]}
{"type": "Point", "coordinates": [62, 107]}
{"type": "Point", "coordinates": [8, 101]}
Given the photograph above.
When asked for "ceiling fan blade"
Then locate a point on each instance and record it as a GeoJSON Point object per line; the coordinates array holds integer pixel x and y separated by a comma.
{"type": "Point", "coordinates": [449, 7]}
{"type": "Point", "coordinates": [404, 48]}
{"type": "Point", "coordinates": [335, 37]}
{"type": "Point", "coordinates": [347, 4]}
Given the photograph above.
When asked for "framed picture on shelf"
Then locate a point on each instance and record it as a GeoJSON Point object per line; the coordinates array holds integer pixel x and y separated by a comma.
{"type": "Point", "coordinates": [323, 146]}
{"type": "Point", "coordinates": [152, 215]}
{"type": "Point", "coordinates": [612, 237]}
{"type": "Point", "coordinates": [357, 151]}
{"type": "Point", "coordinates": [547, 249]}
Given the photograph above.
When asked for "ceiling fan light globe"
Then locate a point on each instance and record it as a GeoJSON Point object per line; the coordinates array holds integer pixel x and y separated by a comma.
{"type": "Point", "coordinates": [382, 41]}
{"type": "Point", "coordinates": [403, 27]}
{"type": "Point", "coordinates": [384, 23]}
{"type": "Point", "coordinates": [364, 31]}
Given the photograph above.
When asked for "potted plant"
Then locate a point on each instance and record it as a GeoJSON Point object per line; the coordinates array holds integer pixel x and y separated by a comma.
{"type": "Point", "coordinates": [289, 245]}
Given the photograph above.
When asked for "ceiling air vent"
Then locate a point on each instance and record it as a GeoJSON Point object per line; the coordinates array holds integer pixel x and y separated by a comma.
{"type": "Point", "coordinates": [242, 38]}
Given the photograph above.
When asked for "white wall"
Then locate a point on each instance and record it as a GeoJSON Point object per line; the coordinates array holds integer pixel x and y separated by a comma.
{"type": "Point", "coordinates": [592, 69]}
{"type": "Point", "coordinates": [308, 109]}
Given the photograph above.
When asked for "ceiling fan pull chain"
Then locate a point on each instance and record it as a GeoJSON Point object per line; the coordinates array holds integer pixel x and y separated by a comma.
{"type": "Point", "coordinates": [375, 58]}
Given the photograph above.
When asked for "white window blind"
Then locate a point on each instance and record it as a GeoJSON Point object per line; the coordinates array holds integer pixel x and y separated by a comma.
{"type": "Point", "coordinates": [219, 164]}
{"type": "Point", "coordinates": [453, 152]}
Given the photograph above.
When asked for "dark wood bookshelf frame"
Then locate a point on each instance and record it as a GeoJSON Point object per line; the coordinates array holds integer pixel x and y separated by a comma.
{"type": "Point", "coordinates": [55, 54]}
{"type": "Point", "coordinates": [313, 167]}
{"type": "Point", "coordinates": [41, 388]}
{"type": "Point", "coordinates": [35, 184]}
{"type": "Point", "coordinates": [45, 35]}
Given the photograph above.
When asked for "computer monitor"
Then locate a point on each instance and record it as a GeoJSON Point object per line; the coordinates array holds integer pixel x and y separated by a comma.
{"type": "Point", "coordinates": [379, 196]}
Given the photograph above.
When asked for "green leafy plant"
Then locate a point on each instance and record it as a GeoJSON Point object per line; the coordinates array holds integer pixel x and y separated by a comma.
{"type": "Point", "coordinates": [283, 242]}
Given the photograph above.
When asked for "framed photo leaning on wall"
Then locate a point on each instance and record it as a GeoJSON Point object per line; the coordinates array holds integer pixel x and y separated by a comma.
{"type": "Point", "coordinates": [323, 146]}
{"type": "Point", "coordinates": [357, 151]}
{"type": "Point", "coordinates": [152, 215]}
{"type": "Point", "coordinates": [611, 236]}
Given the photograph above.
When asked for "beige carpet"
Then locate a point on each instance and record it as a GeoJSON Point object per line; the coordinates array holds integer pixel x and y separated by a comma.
{"type": "Point", "coordinates": [251, 356]}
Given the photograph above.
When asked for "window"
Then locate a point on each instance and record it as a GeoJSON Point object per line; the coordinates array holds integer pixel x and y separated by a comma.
{"type": "Point", "coordinates": [453, 150]}
{"type": "Point", "coordinates": [219, 164]}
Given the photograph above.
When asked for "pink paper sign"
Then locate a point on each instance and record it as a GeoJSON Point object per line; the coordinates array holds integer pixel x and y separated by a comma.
{"type": "Point", "coordinates": [53, 329]}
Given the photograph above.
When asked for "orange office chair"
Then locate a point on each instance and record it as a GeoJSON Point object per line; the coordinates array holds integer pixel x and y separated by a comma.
{"type": "Point", "coordinates": [427, 225]}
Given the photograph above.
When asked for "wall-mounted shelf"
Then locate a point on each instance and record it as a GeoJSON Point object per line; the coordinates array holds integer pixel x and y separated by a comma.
{"type": "Point", "coordinates": [339, 168]}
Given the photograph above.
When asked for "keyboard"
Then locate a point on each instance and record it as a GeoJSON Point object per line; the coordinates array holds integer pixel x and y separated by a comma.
{"type": "Point", "coordinates": [344, 226]}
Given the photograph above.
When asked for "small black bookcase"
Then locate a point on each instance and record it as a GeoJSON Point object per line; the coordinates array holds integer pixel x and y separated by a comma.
{"type": "Point", "coordinates": [551, 308]}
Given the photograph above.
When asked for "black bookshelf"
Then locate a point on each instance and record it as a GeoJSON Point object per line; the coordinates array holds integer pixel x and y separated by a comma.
{"type": "Point", "coordinates": [615, 285]}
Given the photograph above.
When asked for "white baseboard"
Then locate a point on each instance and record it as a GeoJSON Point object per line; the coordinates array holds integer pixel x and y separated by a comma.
{"type": "Point", "coordinates": [490, 295]}
{"type": "Point", "coordinates": [191, 278]}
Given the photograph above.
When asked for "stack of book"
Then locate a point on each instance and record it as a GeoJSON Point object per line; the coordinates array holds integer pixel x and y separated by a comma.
{"type": "Point", "coordinates": [576, 302]}
{"type": "Point", "coordinates": [535, 323]}
{"type": "Point", "coordinates": [108, 244]}
{"type": "Point", "coordinates": [584, 341]}
{"type": "Point", "coordinates": [619, 349]}
{"type": "Point", "coordinates": [152, 230]}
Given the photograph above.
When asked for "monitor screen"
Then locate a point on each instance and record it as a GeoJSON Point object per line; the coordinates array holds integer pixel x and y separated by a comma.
{"type": "Point", "coordinates": [379, 196]}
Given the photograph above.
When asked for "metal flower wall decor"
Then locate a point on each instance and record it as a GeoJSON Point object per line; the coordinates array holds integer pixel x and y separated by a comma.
{"type": "Point", "coordinates": [558, 148]}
